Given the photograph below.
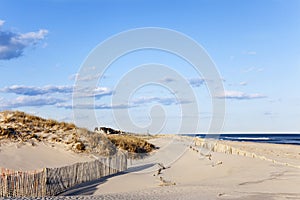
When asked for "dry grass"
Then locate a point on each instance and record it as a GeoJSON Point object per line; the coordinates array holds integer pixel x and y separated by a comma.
{"type": "Point", "coordinates": [19, 119]}
{"type": "Point", "coordinates": [97, 143]}
{"type": "Point", "coordinates": [21, 127]}
{"type": "Point", "coordinates": [132, 144]}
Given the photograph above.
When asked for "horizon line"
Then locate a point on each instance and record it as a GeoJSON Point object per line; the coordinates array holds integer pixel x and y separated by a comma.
{"type": "Point", "coordinates": [247, 132]}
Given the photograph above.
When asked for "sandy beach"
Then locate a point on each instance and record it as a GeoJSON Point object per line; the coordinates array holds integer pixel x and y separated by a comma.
{"type": "Point", "coordinates": [180, 169]}
{"type": "Point", "coordinates": [136, 99]}
{"type": "Point", "coordinates": [194, 173]}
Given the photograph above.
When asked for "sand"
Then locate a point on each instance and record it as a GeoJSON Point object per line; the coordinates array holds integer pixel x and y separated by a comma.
{"type": "Point", "coordinates": [194, 176]}
{"type": "Point", "coordinates": [27, 157]}
{"type": "Point", "coordinates": [273, 173]}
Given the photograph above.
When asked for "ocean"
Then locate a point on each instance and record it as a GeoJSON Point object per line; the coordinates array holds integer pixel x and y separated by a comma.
{"type": "Point", "coordinates": [263, 138]}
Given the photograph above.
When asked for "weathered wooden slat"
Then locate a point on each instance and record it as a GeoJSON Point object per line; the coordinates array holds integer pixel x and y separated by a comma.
{"type": "Point", "coordinates": [52, 181]}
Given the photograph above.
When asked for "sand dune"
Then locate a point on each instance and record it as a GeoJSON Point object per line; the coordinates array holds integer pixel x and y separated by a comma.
{"type": "Point", "coordinates": [27, 157]}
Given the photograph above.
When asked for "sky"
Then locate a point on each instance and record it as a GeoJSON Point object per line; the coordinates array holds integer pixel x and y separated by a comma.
{"type": "Point", "coordinates": [254, 44]}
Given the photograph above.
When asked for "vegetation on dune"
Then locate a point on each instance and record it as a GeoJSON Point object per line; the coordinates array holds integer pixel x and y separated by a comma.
{"type": "Point", "coordinates": [131, 143]}
{"type": "Point", "coordinates": [21, 121]}
{"type": "Point", "coordinates": [23, 128]}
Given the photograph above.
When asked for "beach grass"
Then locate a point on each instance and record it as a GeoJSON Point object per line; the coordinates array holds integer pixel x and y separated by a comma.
{"type": "Point", "coordinates": [131, 143]}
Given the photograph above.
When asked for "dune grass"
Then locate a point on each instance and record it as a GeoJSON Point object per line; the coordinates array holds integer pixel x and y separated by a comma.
{"type": "Point", "coordinates": [21, 127]}
{"type": "Point", "coordinates": [131, 143]}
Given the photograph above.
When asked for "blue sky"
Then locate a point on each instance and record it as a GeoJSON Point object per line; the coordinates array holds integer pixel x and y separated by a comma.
{"type": "Point", "coordinates": [254, 44]}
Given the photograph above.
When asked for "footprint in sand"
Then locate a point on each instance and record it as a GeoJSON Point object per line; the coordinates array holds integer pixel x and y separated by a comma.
{"type": "Point", "coordinates": [163, 182]}
{"type": "Point", "coordinates": [161, 167]}
{"type": "Point", "coordinates": [217, 163]}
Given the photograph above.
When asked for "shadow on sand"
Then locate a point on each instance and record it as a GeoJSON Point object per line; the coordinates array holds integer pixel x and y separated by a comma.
{"type": "Point", "coordinates": [88, 188]}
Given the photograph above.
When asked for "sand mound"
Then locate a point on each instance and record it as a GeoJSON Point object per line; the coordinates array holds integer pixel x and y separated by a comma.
{"type": "Point", "coordinates": [22, 128]}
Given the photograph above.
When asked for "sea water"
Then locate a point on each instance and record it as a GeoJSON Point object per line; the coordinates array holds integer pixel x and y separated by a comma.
{"type": "Point", "coordinates": [262, 137]}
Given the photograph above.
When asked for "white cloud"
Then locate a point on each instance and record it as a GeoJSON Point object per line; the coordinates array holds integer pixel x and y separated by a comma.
{"type": "Point", "coordinates": [97, 92]}
{"type": "Point", "coordinates": [253, 69]}
{"type": "Point", "coordinates": [48, 95]}
{"type": "Point", "coordinates": [243, 83]}
{"type": "Point", "coordinates": [250, 69]}
{"type": "Point", "coordinates": [146, 100]}
{"type": "Point", "coordinates": [196, 82]}
{"type": "Point", "coordinates": [92, 106]}
{"type": "Point", "coordinates": [102, 91]}
{"type": "Point", "coordinates": [13, 44]}
{"type": "Point", "coordinates": [29, 101]}
{"type": "Point", "coordinates": [268, 113]}
{"type": "Point", "coordinates": [240, 95]}
{"type": "Point", "coordinates": [73, 76]}
{"type": "Point", "coordinates": [89, 77]}
{"type": "Point", "coordinates": [162, 100]}
{"type": "Point", "coordinates": [33, 91]}
{"type": "Point", "coordinates": [51, 90]}
{"type": "Point", "coordinates": [1, 22]}
{"type": "Point", "coordinates": [32, 36]}
{"type": "Point", "coordinates": [250, 52]}
{"type": "Point", "coordinates": [260, 69]}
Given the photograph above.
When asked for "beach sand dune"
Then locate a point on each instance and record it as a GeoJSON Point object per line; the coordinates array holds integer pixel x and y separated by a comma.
{"type": "Point", "coordinates": [26, 157]}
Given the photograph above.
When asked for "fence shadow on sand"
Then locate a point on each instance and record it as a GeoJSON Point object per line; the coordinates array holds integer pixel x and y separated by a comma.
{"type": "Point", "coordinates": [89, 188]}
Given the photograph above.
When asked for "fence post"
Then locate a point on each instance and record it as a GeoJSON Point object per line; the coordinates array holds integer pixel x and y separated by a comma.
{"type": "Point", "coordinates": [51, 181]}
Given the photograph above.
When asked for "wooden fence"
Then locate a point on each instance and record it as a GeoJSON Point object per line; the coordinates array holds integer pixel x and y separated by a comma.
{"type": "Point", "coordinates": [214, 146]}
{"type": "Point", "coordinates": [52, 181]}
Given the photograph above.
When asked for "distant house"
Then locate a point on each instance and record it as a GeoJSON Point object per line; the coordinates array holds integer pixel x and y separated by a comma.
{"type": "Point", "coordinates": [108, 131]}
